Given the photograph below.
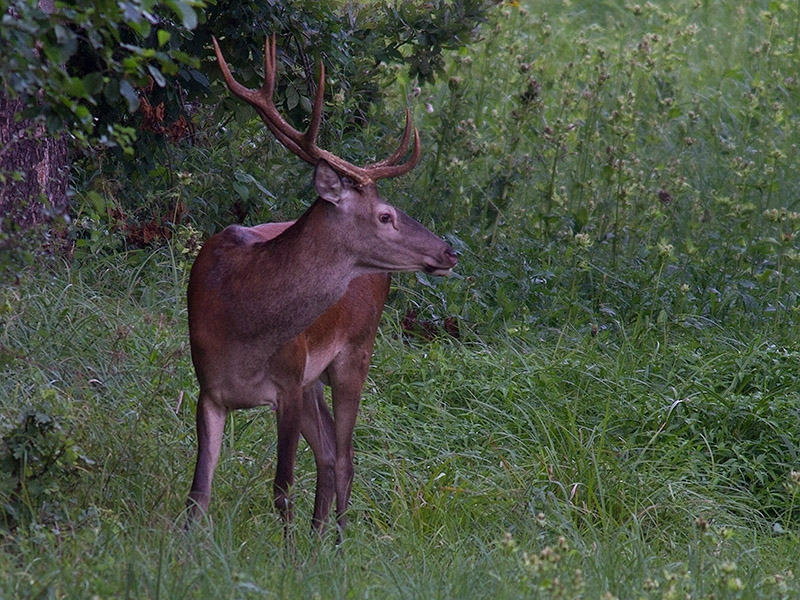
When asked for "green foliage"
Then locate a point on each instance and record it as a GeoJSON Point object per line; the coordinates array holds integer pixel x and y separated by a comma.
{"type": "Point", "coordinates": [611, 157]}
{"type": "Point", "coordinates": [39, 462]}
{"type": "Point", "coordinates": [79, 67]}
{"type": "Point", "coordinates": [357, 41]}
{"type": "Point", "coordinates": [366, 48]}
{"type": "Point", "coordinates": [87, 68]}
{"type": "Point", "coordinates": [619, 417]}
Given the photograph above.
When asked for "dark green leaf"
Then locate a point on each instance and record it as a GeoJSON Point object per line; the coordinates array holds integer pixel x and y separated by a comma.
{"type": "Point", "coordinates": [157, 76]}
{"type": "Point", "coordinates": [185, 12]}
{"type": "Point", "coordinates": [93, 83]}
{"type": "Point", "coordinates": [129, 93]}
{"type": "Point", "coordinates": [163, 37]}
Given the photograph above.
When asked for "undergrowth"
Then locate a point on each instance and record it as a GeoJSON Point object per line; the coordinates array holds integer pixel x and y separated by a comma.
{"type": "Point", "coordinates": [617, 417]}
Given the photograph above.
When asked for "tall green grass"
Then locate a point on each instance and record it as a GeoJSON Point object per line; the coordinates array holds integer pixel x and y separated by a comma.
{"type": "Point", "coordinates": [482, 468]}
{"type": "Point", "coordinates": [619, 417]}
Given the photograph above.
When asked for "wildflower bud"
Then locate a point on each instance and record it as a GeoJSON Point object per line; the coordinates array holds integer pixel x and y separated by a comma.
{"type": "Point", "coordinates": [794, 479]}
{"type": "Point", "coordinates": [508, 541]}
{"type": "Point", "coordinates": [735, 584]}
{"type": "Point", "coordinates": [454, 83]}
{"type": "Point", "coordinates": [664, 249]}
{"type": "Point", "coordinates": [728, 566]}
{"type": "Point", "coordinates": [583, 240]}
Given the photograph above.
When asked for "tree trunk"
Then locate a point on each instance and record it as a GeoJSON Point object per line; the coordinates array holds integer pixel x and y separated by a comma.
{"type": "Point", "coordinates": [33, 170]}
{"type": "Point", "coordinates": [33, 166]}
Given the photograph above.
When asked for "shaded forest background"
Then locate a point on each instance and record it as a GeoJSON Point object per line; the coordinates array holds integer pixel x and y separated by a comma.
{"type": "Point", "coordinates": [601, 402]}
{"type": "Point", "coordinates": [90, 90]}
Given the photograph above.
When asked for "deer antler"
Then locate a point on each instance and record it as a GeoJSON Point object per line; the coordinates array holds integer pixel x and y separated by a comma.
{"type": "Point", "coordinates": [304, 145]}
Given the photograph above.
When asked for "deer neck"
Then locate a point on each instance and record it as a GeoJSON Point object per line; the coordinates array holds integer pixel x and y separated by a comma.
{"type": "Point", "coordinates": [314, 253]}
{"type": "Point", "coordinates": [301, 273]}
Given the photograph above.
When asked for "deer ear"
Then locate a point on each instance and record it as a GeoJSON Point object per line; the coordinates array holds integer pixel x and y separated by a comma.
{"type": "Point", "coordinates": [327, 182]}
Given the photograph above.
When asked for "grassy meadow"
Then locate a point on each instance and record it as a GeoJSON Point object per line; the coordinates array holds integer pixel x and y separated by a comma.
{"type": "Point", "coordinates": [618, 418]}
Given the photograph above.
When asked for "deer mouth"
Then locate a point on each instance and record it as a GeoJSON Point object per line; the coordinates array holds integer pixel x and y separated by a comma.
{"type": "Point", "coordinates": [441, 271]}
{"type": "Point", "coordinates": [444, 266]}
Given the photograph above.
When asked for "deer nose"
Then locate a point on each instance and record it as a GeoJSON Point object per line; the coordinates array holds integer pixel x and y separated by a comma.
{"type": "Point", "coordinates": [450, 257]}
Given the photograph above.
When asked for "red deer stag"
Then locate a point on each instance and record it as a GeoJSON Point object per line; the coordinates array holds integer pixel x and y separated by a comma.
{"type": "Point", "coordinates": [337, 347]}
{"type": "Point", "coordinates": [264, 323]}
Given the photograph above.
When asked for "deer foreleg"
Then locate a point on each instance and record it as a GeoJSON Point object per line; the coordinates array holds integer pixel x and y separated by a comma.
{"type": "Point", "coordinates": [346, 393]}
{"type": "Point", "coordinates": [318, 430]}
{"type": "Point", "coordinates": [288, 415]}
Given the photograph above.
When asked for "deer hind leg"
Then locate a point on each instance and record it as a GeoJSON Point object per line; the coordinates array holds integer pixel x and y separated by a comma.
{"type": "Point", "coordinates": [210, 419]}
{"type": "Point", "coordinates": [318, 429]}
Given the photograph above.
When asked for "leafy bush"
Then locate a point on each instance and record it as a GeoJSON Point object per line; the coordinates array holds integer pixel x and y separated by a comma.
{"type": "Point", "coordinates": [39, 461]}
{"type": "Point", "coordinates": [111, 72]}
{"type": "Point", "coordinates": [79, 65]}
{"type": "Point", "coordinates": [137, 79]}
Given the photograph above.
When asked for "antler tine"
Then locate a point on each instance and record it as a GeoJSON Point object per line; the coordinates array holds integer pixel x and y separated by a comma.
{"type": "Point", "coordinates": [246, 94]}
{"type": "Point", "coordinates": [316, 111]}
{"type": "Point", "coordinates": [385, 171]}
{"type": "Point", "coordinates": [261, 100]}
{"type": "Point", "coordinates": [401, 149]}
{"type": "Point", "coordinates": [270, 54]}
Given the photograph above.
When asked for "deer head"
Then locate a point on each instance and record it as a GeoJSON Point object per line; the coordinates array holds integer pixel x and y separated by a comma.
{"type": "Point", "coordinates": [379, 236]}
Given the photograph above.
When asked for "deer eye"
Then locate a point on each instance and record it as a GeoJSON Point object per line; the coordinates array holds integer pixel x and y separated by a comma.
{"type": "Point", "coordinates": [385, 218]}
